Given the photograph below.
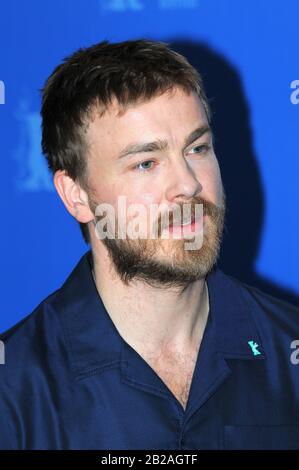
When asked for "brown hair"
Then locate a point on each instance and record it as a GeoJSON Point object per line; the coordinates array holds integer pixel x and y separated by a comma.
{"type": "Point", "coordinates": [130, 71]}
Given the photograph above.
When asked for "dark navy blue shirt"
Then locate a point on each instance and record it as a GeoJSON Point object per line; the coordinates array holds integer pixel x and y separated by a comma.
{"type": "Point", "coordinates": [70, 381]}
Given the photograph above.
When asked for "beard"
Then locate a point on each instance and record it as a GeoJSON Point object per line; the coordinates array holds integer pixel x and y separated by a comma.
{"type": "Point", "coordinates": [166, 263]}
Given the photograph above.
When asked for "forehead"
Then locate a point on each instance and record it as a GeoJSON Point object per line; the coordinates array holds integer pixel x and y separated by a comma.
{"type": "Point", "coordinates": [173, 114]}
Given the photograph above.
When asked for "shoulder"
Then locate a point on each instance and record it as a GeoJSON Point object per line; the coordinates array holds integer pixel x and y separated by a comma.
{"type": "Point", "coordinates": [276, 320]}
{"type": "Point", "coordinates": [34, 357]}
{"type": "Point", "coordinates": [32, 346]}
{"type": "Point", "coordinates": [268, 307]}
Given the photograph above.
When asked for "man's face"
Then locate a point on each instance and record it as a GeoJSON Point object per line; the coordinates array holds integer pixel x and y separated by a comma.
{"type": "Point", "coordinates": [173, 169]}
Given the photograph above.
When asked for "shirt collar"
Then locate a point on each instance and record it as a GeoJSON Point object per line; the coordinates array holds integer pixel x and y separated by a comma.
{"type": "Point", "coordinates": [232, 312]}
{"type": "Point", "coordinates": [94, 342]}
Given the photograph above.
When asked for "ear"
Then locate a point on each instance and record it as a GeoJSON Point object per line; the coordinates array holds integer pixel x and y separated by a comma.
{"type": "Point", "coordinates": [73, 196]}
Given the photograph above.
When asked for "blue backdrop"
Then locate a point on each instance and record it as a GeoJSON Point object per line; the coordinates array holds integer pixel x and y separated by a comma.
{"type": "Point", "coordinates": [247, 52]}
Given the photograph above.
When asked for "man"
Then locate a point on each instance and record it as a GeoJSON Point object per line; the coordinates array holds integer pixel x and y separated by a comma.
{"type": "Point", "coordinates": [148, 344]}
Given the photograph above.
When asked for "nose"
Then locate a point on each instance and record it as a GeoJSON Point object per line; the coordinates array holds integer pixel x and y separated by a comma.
{"type": "Point", "coordinates": [182, 183]}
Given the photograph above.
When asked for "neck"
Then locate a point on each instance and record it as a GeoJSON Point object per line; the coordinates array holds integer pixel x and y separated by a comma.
{"type": "Point", "coordinates": [150, 318]}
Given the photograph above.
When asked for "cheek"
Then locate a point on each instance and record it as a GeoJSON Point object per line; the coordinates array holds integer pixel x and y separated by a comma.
{"type": "Point", "coordinates": [121, 196]}
{"type": "Point", "coordinates": [210, 178]}
{"type": "Point", "coordinates": [145, 196]}
{"type": "Point", "coordinates": [145, 207]}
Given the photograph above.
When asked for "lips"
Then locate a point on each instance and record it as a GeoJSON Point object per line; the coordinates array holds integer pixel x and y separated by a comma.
{"type": "Point", "coordinates": [192, 225]}
{"type": "Point", "coordinates": [187, 222]}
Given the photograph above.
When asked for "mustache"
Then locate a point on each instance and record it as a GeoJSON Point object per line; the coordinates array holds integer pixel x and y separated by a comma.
{"type": "Point", "coordinates": [180, 213]}
{"type": "Point", "coordinates": [185, 212]}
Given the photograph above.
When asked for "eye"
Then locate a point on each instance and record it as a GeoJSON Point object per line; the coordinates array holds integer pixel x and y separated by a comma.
{"type": "Point", "coordinates": [201, 148]}
{"type": "Point", "coordinates": [145, 166]}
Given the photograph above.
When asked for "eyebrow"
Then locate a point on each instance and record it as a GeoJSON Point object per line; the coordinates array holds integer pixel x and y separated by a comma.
{"type": "Point", "coordinates": [160, 145]}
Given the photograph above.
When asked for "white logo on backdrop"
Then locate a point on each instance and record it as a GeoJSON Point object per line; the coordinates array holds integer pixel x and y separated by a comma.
{"type": "Point", "coordinates": [33, 173]}
{"type": "Point", "coordinates": [122, 5]}
{"type": "Point", "coordinates": [138, 5]}
{"type": "Point", "coordinates": [178, 4]}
